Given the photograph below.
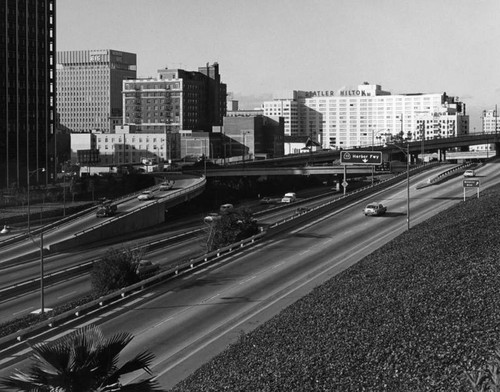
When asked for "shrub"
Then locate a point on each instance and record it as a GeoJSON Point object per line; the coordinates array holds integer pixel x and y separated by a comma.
{"type": "Point", "coordinates": [115, 270]}
{"type": "Point", "coordinates": [232, 227]}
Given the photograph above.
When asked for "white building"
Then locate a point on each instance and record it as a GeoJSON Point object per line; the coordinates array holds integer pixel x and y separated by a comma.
{"type": "Point", "coordinates": [490, 124]}
{"type": "Point", "coordinates": [366, 115]}
{"type": "Point", "coordinates": [124, 146]}
{"type": "Point", "coordinates": [490, 121]}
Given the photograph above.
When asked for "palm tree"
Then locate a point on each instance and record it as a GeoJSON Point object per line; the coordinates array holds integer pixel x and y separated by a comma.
{"type": "Point", "coordinates": [84, 361]}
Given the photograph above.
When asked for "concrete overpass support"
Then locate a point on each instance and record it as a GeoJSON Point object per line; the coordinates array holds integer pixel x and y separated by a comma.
{"type": "Point", "coordinates": [497, 149]}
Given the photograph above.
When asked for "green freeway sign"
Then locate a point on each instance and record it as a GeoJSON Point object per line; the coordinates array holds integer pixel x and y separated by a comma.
{"type": "Point", "coordinates": [360, 157]}
{"type": "Point", "coordinates": [471, 183]}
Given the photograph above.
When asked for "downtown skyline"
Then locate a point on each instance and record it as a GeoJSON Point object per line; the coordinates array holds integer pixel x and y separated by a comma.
{"type": "Point", "coordinates": [267, 47]}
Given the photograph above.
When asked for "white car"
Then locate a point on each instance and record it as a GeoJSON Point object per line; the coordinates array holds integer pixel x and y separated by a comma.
{"type": "Point", "coordinates": [469, 173]}
{"type": "Point", "coordinates": [146, 195]}
{"type": "Point", "coordinates": [375, 209]}
{"type": "Point", "coordinates": [211, 218]}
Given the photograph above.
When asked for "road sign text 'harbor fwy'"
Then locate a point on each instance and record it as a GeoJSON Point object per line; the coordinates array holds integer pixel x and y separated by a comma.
{"type": "Point", "coordinates": [361, 158]}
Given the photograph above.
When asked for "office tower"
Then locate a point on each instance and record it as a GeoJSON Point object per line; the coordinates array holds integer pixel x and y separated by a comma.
{"type": "Point", "coordinates": [27, 91]}
{"type": "Point", "coordinates": [89, 88]}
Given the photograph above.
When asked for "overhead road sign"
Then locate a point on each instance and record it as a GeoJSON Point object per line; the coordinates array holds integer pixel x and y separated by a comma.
{"type": "Point", "coordinates": [360, 157]}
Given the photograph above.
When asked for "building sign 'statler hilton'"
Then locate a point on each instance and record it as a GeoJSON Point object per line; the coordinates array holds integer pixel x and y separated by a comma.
{"type": "Point", "coordinates": [342, 93]}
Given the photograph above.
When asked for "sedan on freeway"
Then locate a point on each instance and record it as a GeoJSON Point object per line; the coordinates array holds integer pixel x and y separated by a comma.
{"type": "Point", "coordinates": [375, 209]}
{"type": "Point", "coordinates": [146, 195]}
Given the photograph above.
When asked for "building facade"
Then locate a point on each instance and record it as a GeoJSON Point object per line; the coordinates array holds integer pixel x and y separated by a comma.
{"type": "Point", "coordinates": [176, 100]}
{"type": "Point", "coordinates": [89, 88]}
{"type": "Point", "coordinates": [367, 115]}
{"type": "Point", "coordinates": [27, 86]}
{"type": "Point", "coordinates": [253, 137]}
{"type": "Point", "coordinates": [126, 146]}
{"type": "Point", "coordinates": [490, 121]}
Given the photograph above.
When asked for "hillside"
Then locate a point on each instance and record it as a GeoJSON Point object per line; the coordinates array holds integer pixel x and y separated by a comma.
{"type": "Point", "coordinates": [412, 316]}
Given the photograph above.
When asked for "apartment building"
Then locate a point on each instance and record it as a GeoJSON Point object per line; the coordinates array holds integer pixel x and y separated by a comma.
{"type": "Point", "coordinates": [175, 100]}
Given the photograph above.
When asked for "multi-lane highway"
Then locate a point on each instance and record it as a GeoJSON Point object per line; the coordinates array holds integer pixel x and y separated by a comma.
{"type": "Point", "coordinates": [88, 221]}
{"type": "Point", "coordinates": [186, 322]}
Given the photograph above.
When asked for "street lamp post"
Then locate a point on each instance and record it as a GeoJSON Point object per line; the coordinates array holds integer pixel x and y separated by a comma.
{"type": "Point", "coordinates": [6, 230]}
{"type": "Point", "coordinates": [42, 296]}
{"type": "Point", "coordinates": [407, 154]}
{"type": "Point", "coordinates": [422, 136]}
{"type": "Point", "coordinates": [204, 158]}
{"type": "Point", "coordinates": [373, 142]}
{"type": "Point", "coordinates": [28, 180]}
{"type": "Point", "coordinates": [64, 193]}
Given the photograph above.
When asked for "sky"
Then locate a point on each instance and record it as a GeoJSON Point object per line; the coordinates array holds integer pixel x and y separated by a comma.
{"type": "Point", "coordinates": [268, 46]}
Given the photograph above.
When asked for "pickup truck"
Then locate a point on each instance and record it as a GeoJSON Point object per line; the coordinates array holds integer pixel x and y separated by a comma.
{"type": "Point", "coordinates": [375, 209]}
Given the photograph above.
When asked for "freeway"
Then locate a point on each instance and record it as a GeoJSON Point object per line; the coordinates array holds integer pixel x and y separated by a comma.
{"type": "Point", "coordinates": [185, 322]}
{"type": "Point", "coordinates": [88, 221]}
{"type": "Point", "coordinates": [59, 289]}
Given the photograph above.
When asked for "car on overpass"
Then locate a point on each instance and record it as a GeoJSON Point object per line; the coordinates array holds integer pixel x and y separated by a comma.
{"type": "Point", "coordinates": [146, 195]}
{"type": "Point", "coordinates": [166, 186]}
{"type": "Point", "coordinates": [469, 173]}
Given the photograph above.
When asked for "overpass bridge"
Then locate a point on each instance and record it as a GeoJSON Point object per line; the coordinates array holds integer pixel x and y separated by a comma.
{"type": "Point", "coordinates": [440, 145]}
{"type": "Point", "coordinates": [85, 228]}
{"type": "Point", "coordinates": [288, 171]}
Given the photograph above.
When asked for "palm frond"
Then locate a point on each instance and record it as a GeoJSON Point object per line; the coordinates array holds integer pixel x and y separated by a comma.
{"type": "Point", "coordinates": [148, 385]}
{"type": "Point", "coordinates": [140, 361]}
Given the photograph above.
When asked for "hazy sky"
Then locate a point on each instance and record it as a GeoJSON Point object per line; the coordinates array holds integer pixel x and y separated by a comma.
{"type": "Point", "coordinates": [263, 46]}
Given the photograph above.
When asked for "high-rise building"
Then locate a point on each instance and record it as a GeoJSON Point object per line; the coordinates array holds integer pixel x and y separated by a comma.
{"type": "Point", "coordinates": [363, 115]}
{"type": "Point", "coordinates": [176, 100]}
{"type": "Point", "coordinates": [27, 92]}
{"type": "Point", "coordinates": [89, 88]}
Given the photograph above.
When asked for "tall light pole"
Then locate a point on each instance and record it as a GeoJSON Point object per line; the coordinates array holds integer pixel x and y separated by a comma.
{"type": "Point", "coordinates": [29, 211]}
{"type": "Point", "coordinates": [42, 296]}
{"type": "Point", "coordinates": [6, 230]}
{"type": "Point", "coordinates": [373, 142]}
{"type": "Point", "coordinates": [407, 155]}
{"type": "Point", "coordinates": [422, 138]}
{"type": "Point", "coordinates": [64, 193]}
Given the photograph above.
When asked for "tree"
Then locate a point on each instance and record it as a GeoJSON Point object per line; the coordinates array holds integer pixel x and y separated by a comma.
{"type": "Point", "coordinates": [115, 270]}
{"type": "Point", "coordinates": [84, 361]}
{"type": "Point", "coordinates": [233, 226]}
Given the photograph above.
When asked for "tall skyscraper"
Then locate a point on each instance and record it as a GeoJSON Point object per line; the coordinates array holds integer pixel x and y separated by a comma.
{"type": "Point", "coordinates": [27, 92]}
{"type": "Point", "coordinates": [89, 87]}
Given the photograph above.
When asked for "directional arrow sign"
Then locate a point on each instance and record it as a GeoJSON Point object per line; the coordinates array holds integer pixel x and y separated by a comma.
{"type": "Point", "coordinates": [360, 157]}
{"type": "Point", "coordinates": [471, 183]}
